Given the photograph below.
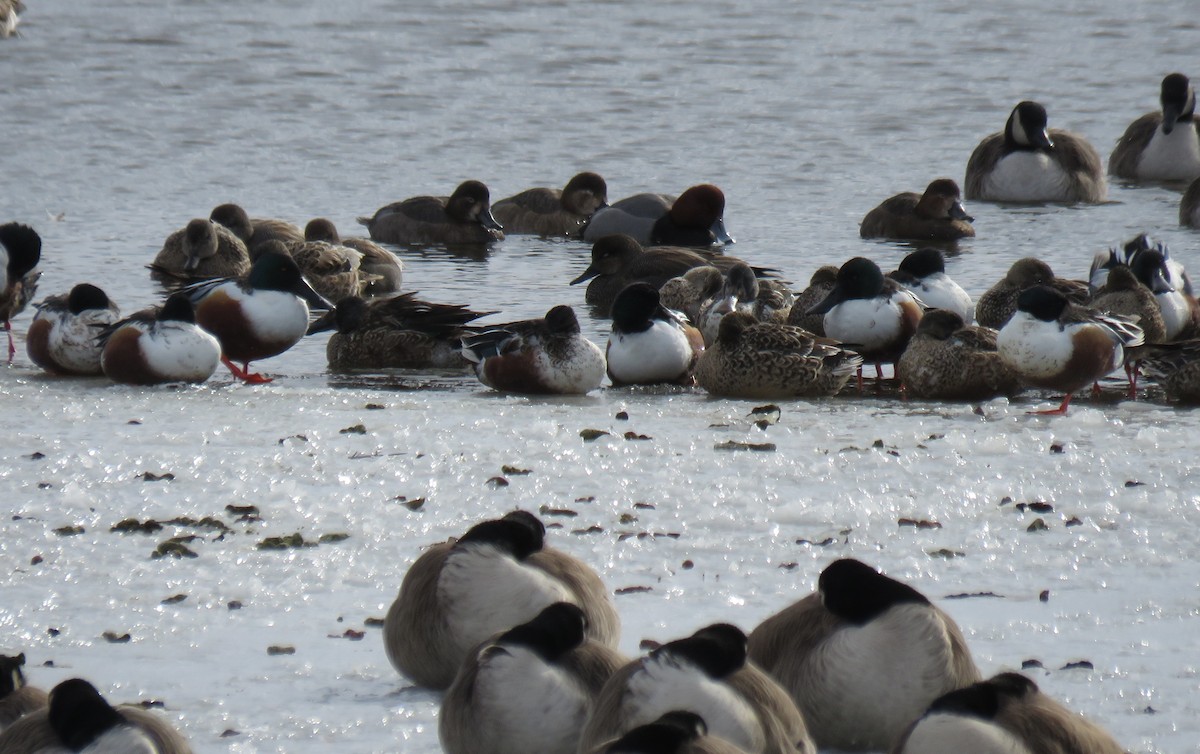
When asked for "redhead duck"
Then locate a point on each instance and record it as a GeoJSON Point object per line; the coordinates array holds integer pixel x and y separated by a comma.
{"type": "Point", "coordinates": [947, 360]}
{"type": "Point", "coordinates": [201, 250]}
{"type": "Point", "coordinates": [763, 360]}
{"type": "Point", "coordinates": [862, 656]}
{"type": "Point", "coordinates": [936, 215]}
{"type": "Point", "coordinates": [1006, 714]}
{"type": "Point", "coordinates": [20, 252]}
{"type": "Point", "coordinates": [708, 674]}
{"type": "Point", "coordinates": [696, 218]}
{"type": "Point", "coordinates": [649, 343]}
{"type": "Point", "coordinates": [528, 689]}
{"type": "Point", "coordinates": [496, 576]}
{"type": "Point", "coordinates": [537, 356]}
{"type": "Point", "coordinates": [551, 212]}
{"type": "Point", "coordinates": [1054, 344]}
{"type": "Point", "coordinates": [1027, 163]}
{"type": "Point", "coordinates": [62, 337]}
{"type": "Point", "coordinates": [465, 217]}
{"type": "Point", "coordinates": [1164, 145]}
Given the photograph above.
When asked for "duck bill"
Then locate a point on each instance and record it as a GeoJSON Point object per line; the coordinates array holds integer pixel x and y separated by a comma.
{"type": "Point", "coordinates": [958, 213]}
{"type": "Point", "coordinates": [1159, 282]}
{"type": "Point", "coordinates": [834, 298]}
{"type": "Point", "coordinates": [324, 323]}
{"type": "Point", "coordinates": [588, 274]}
{"type": "Point", "coordinates": [488, 221]}
{"type": "Point", "coordinates": [315, 300]}
{"type": "Point", "coordinates": [719, 233]}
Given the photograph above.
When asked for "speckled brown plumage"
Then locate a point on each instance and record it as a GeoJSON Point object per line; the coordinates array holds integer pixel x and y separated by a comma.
{"type": "Point", "coordinates": [996, 306]}
{"type": "Point", "coordinates": [947, 360]}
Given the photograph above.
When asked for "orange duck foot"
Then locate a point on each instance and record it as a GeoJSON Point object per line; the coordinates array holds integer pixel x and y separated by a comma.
{"type": "Point", "coordinates": [1060, 411]}
{"type": "Point", "coordinates": [244, 374]}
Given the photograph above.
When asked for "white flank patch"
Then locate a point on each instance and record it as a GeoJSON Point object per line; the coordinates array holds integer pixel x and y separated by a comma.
{"type": "Point", "coordinates": [1027, 177]}
{"type": "Point", "coordinates": [870, 323]}
{"type": "Point", "coordinates": [660, 353]}
{"type": "Point", "coordinates": [666, 683]}
{"type": "Point", "coordinates": [1176, 312]}
{"type": "Point", "coordinates": [938, 291]}
{"type": "Point", "coordinates": [485, 591]}
{"type": "Point", "coordinates": [527, 704]}
{"type": "Point", "coordinates": [1034, 348]}
{"type": "Point", "coordinates": [274, 316]}
{"type": "Point", "coordinates": [1171, 157]}
{"type": "Point", "coordinates": [957, 734]}
{"type": "Point", "coordinates": [581, 371]}
{"type": "Point", "coordinates": [180, 351]}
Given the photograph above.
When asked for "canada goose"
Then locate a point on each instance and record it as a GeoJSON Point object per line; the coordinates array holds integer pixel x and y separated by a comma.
{"type": "Point", "coordinates": [676, 732]}
{"type": "Point", "coordinates": [1162, 145]}
{"type": "Point", "coordinates": [17, 697]}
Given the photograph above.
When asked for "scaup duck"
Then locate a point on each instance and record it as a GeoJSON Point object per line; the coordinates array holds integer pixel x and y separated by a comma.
{"type": "Point", "coordinates": [465, 217]}
{"type": "Point", "coordinates": [1164, 145]}
{"type": "Point", "coordinates": [62, 337]}
{"type": "Point", "coordinates": [203, 249]}
{"type": "Point", "coordinates": [551, 212]}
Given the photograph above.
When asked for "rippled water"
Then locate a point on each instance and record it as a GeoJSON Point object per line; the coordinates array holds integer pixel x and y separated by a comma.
{"type": "Point", "coordinates": [125, 121]}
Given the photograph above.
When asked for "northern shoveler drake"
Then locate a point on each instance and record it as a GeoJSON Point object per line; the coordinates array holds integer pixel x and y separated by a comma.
{"type": "Point", "coordinates": [1189, 206]}
{"type": "Point", "coordinates": [79, 719]}
{"type": "Point", "coordinates": [17, 697]}
{"type": "Point", "coordinates": [819, 286]}
{"type": "Point", "coordinates": [869, 311]}
{"type": "Point", "coordinates": [1176, 368]}
{"type": "Point", "coordinates": [649, 343]}
{"type": "Point", "coordinates": [936, 215]}
{"type": "Point", "coordinates": [947, 360]}
{"type": "Point", "coordinates": [1006, 714]}
{"type": "Point", "coordinates": [62, 337]}
{"type": "Point", "coordinates": [498, 575]}
{"type": "Point", "coordinates": [202, 250]}
{"type": "Point", "coordinates": [707, 673]}
{"type": "Point", "coordinates": [160, 344]}
{"type": "Point", "coordinates": [1164, 145]}
{"type": "Point", "coordinates": [923, 274]}
{"type": "Point", "coordinates": [403, 332]}
{"type": "Point", "coordinates": [254, 231]}
{"type": "Point", "coordinates": [551, 212]}
{"type": "Point", "coordinates": [465, 217]}
{"type": "Point", "coordinates": [259, 316]}
{"type": "Point", "coordinates": [676, 732]}
{"type": "Point", "coordinates": [20, 252]}
{"type": "Point", "coordinates": [1124, 254]}
{"type": "Point", "coordinates": [688, 292]}
{"type": "Point", "coordinates": [863, 656]}
{"type": "Point", "coordinates": [528, 689]}
{"type": "Point", "coordinates": [1180, 311]}
{"type": "Point", "coordinates": [1027, 163]}
{"type": "Point", "coordinates": [537, 356]}
{"type": "Point", "coordinates": [752, 359]}
{"type": "Point", "coordinates": [1054, 344]}
{"type": "Point", "coordinates": [696, 218]}
{"type": "Point", "coordinates": [382, 270]}
{"type": "Point", "coordinates": [996, 306]}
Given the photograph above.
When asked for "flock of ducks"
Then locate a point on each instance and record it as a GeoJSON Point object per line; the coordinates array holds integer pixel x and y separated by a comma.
{"type": "Point", "coordinates": [866, 663]}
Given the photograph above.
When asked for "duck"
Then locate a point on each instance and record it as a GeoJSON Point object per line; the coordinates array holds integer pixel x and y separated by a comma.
{"type": "Point", "coordinates": [688, 292]}
{"type": "Point", "coordinates": [997, 305]}
{"type": "Point", "coordinates": [695, 218]}
{"type": "Point", "coordinates": [547, 356]}
{"type": "Point", "coordinates": [819, 286]}
{"type": "Point", "coordinates": [465, 217]}
{"type": "Point", "coordinates": [254, 231]}
{"type": "Point", "coordinates": [9, 18]}
{"type": "Point", "coordinates": [78, 718]}
{"type": "Point", "coordinates": [1189, 206]}
{"type": "Point", "coordinates": [1124, 295]}
{"type": "Point", "coordinates": [767, 299]}
{"type": "Point", "coordinates": [157, 345]}
{"type": "Point", "coordinates": [1006, 714]}
{"type": "Point", "coordinates": [62, 337]}
{"type": "Point", "coordinates": [871, 311]}
{"type": "Point", "coordinates": [1164, 145]}
{"type": "Point", "coordinates": [17, 697]}
{"type": "Point", "coordinates": [333, 270]}
{"type": "Point", "coordinates": [650, 344]}
{"type": "Point", "coordinates": [551, 212]}
{"type": "Point", "coordinates": [618, 260]}
{"type": "Point", "coordinates": [709, 674]}
{"type": "Point", "coordinates": [258, 316]}
{"type": "Point", "coordinates": [1179, 309]}
{"type": "Point", "coordinates": [765, 360]}
{"type": "Point", "coordinates": [381, 270]}
{"type": "Point", "coordinates": [862, 656]}
{"type": "Point", "coordinates": [499, 574]}
{"type": "Point", "coordinates": [923, 274]}
{"type": "Point", "coordinates": [1027, 163]}
{"type": "Point", "coordinates": [401, 332]}
{"type": "Point", "coordinates": [936, 215]}
{"type": "Point", "coordinates": [675, 732]}
{"type": "Point", "coordinates": [201, 250]}
{"type": "Point", "coordinates": [20, 252]}
{"type": "Point", "coordinates": [530, 688]}
{"type": "Point", "coordinates": [949, 360]}
{"type": "Point", "coordinates": [1176, 368]}
{"type": "Point", "coordinates": [1053, 344]}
